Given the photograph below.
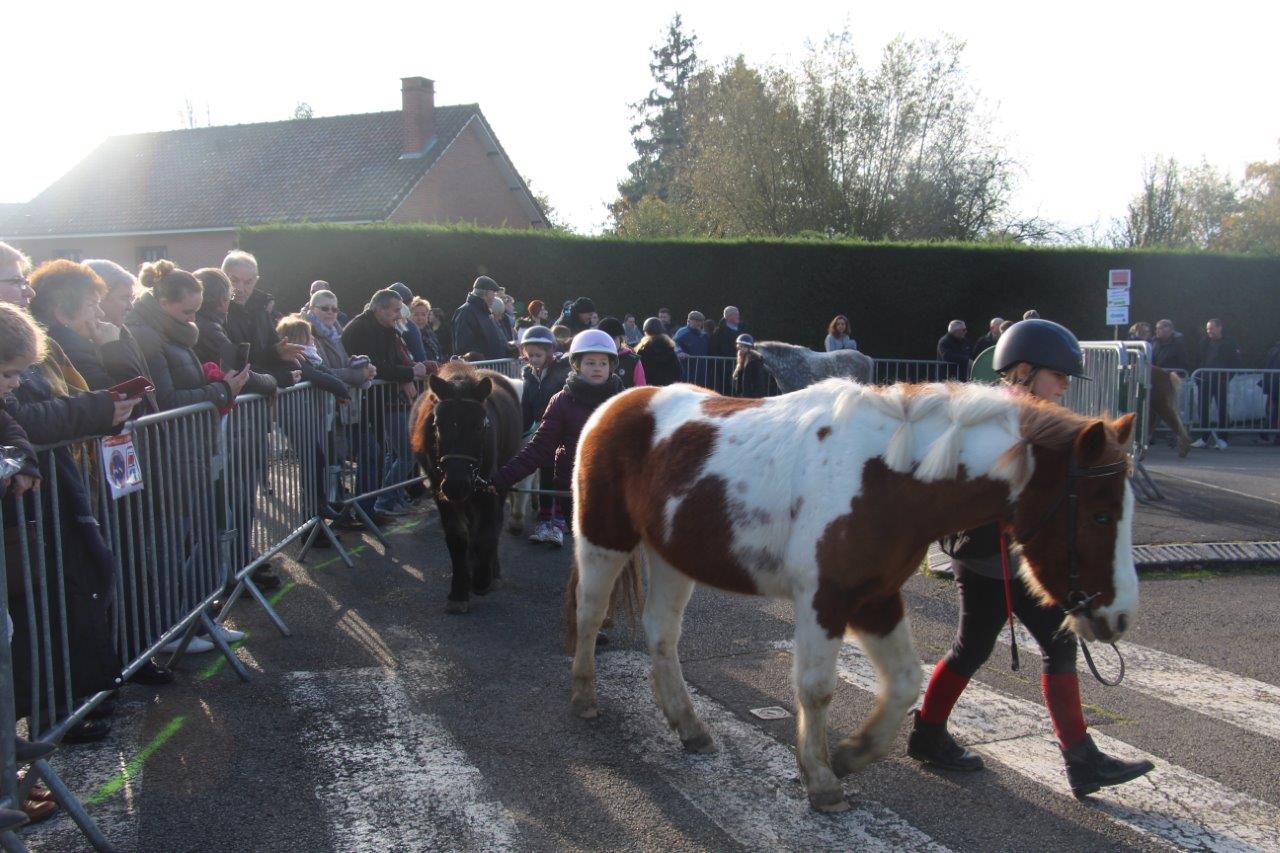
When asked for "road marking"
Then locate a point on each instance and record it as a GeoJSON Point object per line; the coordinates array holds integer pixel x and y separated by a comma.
{"type": "Point", "coordinates": [1219, 488]}
{"type": "Point", "coordinates": [106, 777]}
{"type": "Point", "coordinates": [1224, 696]}
{"type": "Point", "coordinates": [393, 777]}
{"type": "Point", "coordinates": [1171, 804]}
{"type": "Point", "coordinates": [750, 787]}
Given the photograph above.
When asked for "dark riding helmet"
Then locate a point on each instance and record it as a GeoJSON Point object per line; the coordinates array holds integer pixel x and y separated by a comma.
{"type": "Point", "coordinates": [1040, 343]}
{"type": "Point", "coordinates": [653, 326]}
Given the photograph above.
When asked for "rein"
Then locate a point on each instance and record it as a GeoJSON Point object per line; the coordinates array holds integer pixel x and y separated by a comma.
{"type": "Point", "coordinates": [1078, 601]}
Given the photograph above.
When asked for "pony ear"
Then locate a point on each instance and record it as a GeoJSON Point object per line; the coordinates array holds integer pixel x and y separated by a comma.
{"type": "Point", "coordinates": [482, 390]}
{"type": "Point", "coordinates": [1124, 428]}
{"type": "Point", "coordinates": [1091, 443]}
{"type": "Point", "coordinates": [440, 387]}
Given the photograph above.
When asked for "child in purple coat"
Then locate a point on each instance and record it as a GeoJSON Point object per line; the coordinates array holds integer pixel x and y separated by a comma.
{"type": "Point", "coordinates": [593, 358]}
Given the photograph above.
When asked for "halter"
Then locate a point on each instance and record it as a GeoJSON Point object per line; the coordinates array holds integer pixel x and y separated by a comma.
{"type": "Point", "coordinates": [473, 462]}
{"type": "Point", "coordinates": [1078, 601]}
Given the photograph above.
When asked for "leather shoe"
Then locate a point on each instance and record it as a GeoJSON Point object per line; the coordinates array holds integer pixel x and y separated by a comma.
{"type": "Point", "coordinates": [87, 731]}
{"type": "Point", "coordinates": [152, 673]}
{"type": "Point", "coordinates": [38, 810]}
{"type": "Point", "coordinates": [1089, 768]}
{"type": "Point", "coordinates": [265, 579]}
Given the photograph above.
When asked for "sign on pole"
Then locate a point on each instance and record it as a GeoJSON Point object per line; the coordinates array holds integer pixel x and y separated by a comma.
{"type": "Point", "coordinates": [1118, 283]}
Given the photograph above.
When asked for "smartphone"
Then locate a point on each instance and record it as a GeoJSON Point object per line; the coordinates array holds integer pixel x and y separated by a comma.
{"type": "Point", "coordinates": [242, 358]}
{"type": "Point", "coordinates": [135, 387]}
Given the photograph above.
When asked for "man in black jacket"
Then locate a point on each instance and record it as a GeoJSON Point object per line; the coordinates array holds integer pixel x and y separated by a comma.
{"type": "Point", "coordinates": [954, 349]}
{"type": "Point", "coordinates": [384, 415]}
{"type": "Point", "coordinates": [1219, 355]}
{"type": "Point", "coordinates": [1169, 349]}
{"type": "Point", "coordinates": [724, 345]}
{"type": "Point", "coordinates": [473, 326]}
{"type": "Point", "coordinates": [249, 321]}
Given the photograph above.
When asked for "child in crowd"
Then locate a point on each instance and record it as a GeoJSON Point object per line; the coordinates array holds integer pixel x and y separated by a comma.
{"type": "Point", "coordinates": [630, 370]}
{"type": "Point", "coordinates": [593, 358]}
{"type": "Point", "coordinates": [749, 378]}
{"type": "Point", "coordinates": [296, 329]}
{"type": "Point", "coordinates": [563, 335]}
{"type": "Point", "coordinates": [544, 374]}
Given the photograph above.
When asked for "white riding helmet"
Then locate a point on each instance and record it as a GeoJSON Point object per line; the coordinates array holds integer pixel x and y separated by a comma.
{"type": "Point", "coordinates": [593, 340]}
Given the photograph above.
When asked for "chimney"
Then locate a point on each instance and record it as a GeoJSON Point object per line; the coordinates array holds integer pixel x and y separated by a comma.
{"type": "Point", "coordinates": [418, 114]}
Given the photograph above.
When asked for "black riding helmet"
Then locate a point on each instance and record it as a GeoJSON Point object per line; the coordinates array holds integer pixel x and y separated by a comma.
{"type": "Point", "coordinates": [653, 326]}
{"type": "Point", "coordinates": [1042, 344]}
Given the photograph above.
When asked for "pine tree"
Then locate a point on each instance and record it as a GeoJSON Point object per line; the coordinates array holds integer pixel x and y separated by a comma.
{"type": "Point", "coordinates": [659, 133]}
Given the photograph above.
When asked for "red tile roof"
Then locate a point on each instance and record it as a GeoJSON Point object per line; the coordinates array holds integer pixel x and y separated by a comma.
{"type": "Point", "coordinates": [335, 169]}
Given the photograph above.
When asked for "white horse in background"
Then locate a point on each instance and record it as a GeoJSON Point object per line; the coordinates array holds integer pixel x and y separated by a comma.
{"type": "Point", "coordinates": [794, 367]}
{"type": "Point", "coordinates": [519, 502]}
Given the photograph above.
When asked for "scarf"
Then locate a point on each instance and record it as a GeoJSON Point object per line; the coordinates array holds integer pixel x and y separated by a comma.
{"type": "Point", "coordinates": [332, 334]}
{"type": "Point", "coordinates": [592, 395]}
{"type": "Point", "coordinates": [312, 355]}
{"type": "Point", "coordinates": [147, 307]}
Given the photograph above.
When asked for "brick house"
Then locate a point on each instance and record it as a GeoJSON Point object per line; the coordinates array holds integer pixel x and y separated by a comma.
{"type": "Point", "coordinates": [180, 194]}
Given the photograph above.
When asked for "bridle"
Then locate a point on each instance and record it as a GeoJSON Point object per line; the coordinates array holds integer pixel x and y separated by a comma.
{"type": "Point", "coordinates": [474, 463]}
{"type": "Point", "coordinates": [1078, 602]}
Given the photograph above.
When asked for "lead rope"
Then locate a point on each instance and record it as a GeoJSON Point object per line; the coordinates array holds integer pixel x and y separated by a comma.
{"type": "Point", "coordinates": [1088, 658]}
{"type": "Point", "coordinates": [1008, 602]}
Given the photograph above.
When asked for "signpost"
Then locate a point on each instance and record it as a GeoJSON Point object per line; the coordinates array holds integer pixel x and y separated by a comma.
{"type": "Point", "coordinates": [1118, 282]}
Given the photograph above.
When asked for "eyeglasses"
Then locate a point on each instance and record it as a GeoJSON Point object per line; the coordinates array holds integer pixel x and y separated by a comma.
{"type": "Point", "coordinates": [20, 281]}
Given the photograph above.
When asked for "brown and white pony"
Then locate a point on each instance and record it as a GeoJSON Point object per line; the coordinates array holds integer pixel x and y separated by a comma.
{"type": "Point", "coordinates": [830, 497]}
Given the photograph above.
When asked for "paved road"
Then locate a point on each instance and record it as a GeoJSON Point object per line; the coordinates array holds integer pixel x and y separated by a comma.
{"type": "Point", "coordinates": [1212, 496]}
{"type": "Point", "coordinates": [383, 724]}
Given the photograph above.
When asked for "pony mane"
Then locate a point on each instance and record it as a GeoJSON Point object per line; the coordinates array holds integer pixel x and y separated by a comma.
{"type": "Point", "coordinates": [459, 373]}
{"type": "Point", "coordinates": [964, 406]}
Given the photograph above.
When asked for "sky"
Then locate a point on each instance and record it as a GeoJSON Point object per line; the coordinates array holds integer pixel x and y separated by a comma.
{"type": "Point", "coordinates": [1083, 94]}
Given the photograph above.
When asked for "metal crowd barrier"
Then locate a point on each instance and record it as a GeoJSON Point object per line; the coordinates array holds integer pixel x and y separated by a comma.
{"type": "Point", "coordinates": [1231, 401]}
{"type": "Point", "coordinates": [103, 581]}
{"type": "Point", "coordinates": [889, 371]}
{"type": "Point", "coordinates": [1118, 382]}
{"type": "Point", "coordinates": [277, 482]}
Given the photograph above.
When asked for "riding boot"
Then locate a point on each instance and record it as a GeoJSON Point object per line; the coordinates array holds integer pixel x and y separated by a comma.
{"type": "Point", "coordinates": [1089, 768]}
{"type": "Point", "coordinates": [933, 744]}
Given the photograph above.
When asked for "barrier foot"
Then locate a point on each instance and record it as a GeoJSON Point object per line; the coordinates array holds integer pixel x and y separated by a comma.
{"type": "Point", "coordinates": [1144, 485]}
{"type": "Point", "coordinates": [315, 525]}
{"type": "Point", "coordinates": [370, 526]}
{"type": "Point", "coordinates": [247, 583]}
{"type": "Point", "coordinates": [182, 646]}
{"type": "Point", "coordinates": [336, 545]}
{"type": "Point", "coordinates": [11, 843]}
{"type": "Point", "coordinates": [72, 806]}
{"type": "Point", "coordinates": [227, 652]}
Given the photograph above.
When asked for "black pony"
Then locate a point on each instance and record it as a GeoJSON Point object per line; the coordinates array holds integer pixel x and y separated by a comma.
{"type": "Point", "coordinates": [463, 431]}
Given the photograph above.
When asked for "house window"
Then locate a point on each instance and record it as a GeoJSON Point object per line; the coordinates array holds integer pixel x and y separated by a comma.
{"type": "Point", "coordinates": [68, 255]}
{"type": "Point", "coordinates": [149, 254]}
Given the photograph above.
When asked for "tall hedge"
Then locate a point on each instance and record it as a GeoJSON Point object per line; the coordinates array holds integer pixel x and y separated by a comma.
{"type": "Point", "coordinates": [899, 297]}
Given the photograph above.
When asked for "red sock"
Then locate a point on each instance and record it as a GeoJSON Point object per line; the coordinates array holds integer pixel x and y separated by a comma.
{"type": "Point", "coordinates": [945, 687]}
{"type": "Point", "coordinates": [1062, 698]}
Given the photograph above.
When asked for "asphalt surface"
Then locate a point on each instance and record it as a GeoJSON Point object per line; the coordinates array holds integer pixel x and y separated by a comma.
{"type": "Point", "coordinates": [382, 723]}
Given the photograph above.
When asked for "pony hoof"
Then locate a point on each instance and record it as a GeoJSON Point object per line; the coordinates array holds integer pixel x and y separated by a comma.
{"type": "Point", "coordinates": [852, 756]}
{"type": "Point", "coordinates": [457, 607]}
{"type": "Point", "coordinates": [828, 802]}
{"type": "Point", "coordinates": [699, 744]}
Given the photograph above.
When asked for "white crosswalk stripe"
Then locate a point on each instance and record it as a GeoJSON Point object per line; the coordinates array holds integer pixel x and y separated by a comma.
{"type": "Point", "coordinates": [394, 776]}
{"type": "Point", "coordinates": [1224, 696]}
{"type": "Point", "coordinates": [750, 787]}
{"type": "Point", "coordinates": [1171, 804]}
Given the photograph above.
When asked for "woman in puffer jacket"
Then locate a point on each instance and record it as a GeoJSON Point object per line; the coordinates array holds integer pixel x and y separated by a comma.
{"type": "Point", "coordinates": [163, 322]}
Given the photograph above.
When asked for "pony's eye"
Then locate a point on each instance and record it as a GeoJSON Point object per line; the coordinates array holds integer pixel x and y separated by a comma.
{"type": "Point", "coordinates": [1102, 517]}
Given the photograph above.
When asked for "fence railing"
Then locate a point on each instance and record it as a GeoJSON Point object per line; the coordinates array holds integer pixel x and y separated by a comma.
{"type": "Point", "coordinates": [1231, 401]}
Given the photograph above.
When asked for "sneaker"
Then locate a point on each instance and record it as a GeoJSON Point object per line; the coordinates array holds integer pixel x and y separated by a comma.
{"type": "Point", "coordinates": [561, 525]}
{"type": "Point", "coordinates": [1199, 444]}
{"type": "Point", "coordinates": [1219, 443]}
{"type": "Point", "coordinates": [541, 532]}
{"type": "Point", "coordinates": [197, 646]}
{"type": "Point", "coordinates": [554, 536]}
{"type": "Point", "coordinates": [229, 635]}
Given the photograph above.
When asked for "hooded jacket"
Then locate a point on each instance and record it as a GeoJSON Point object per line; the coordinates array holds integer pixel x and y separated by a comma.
{"type": "Point", "coordinates": [538, 392]}
{"type": "Point", "coordinates": [658, 356]}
